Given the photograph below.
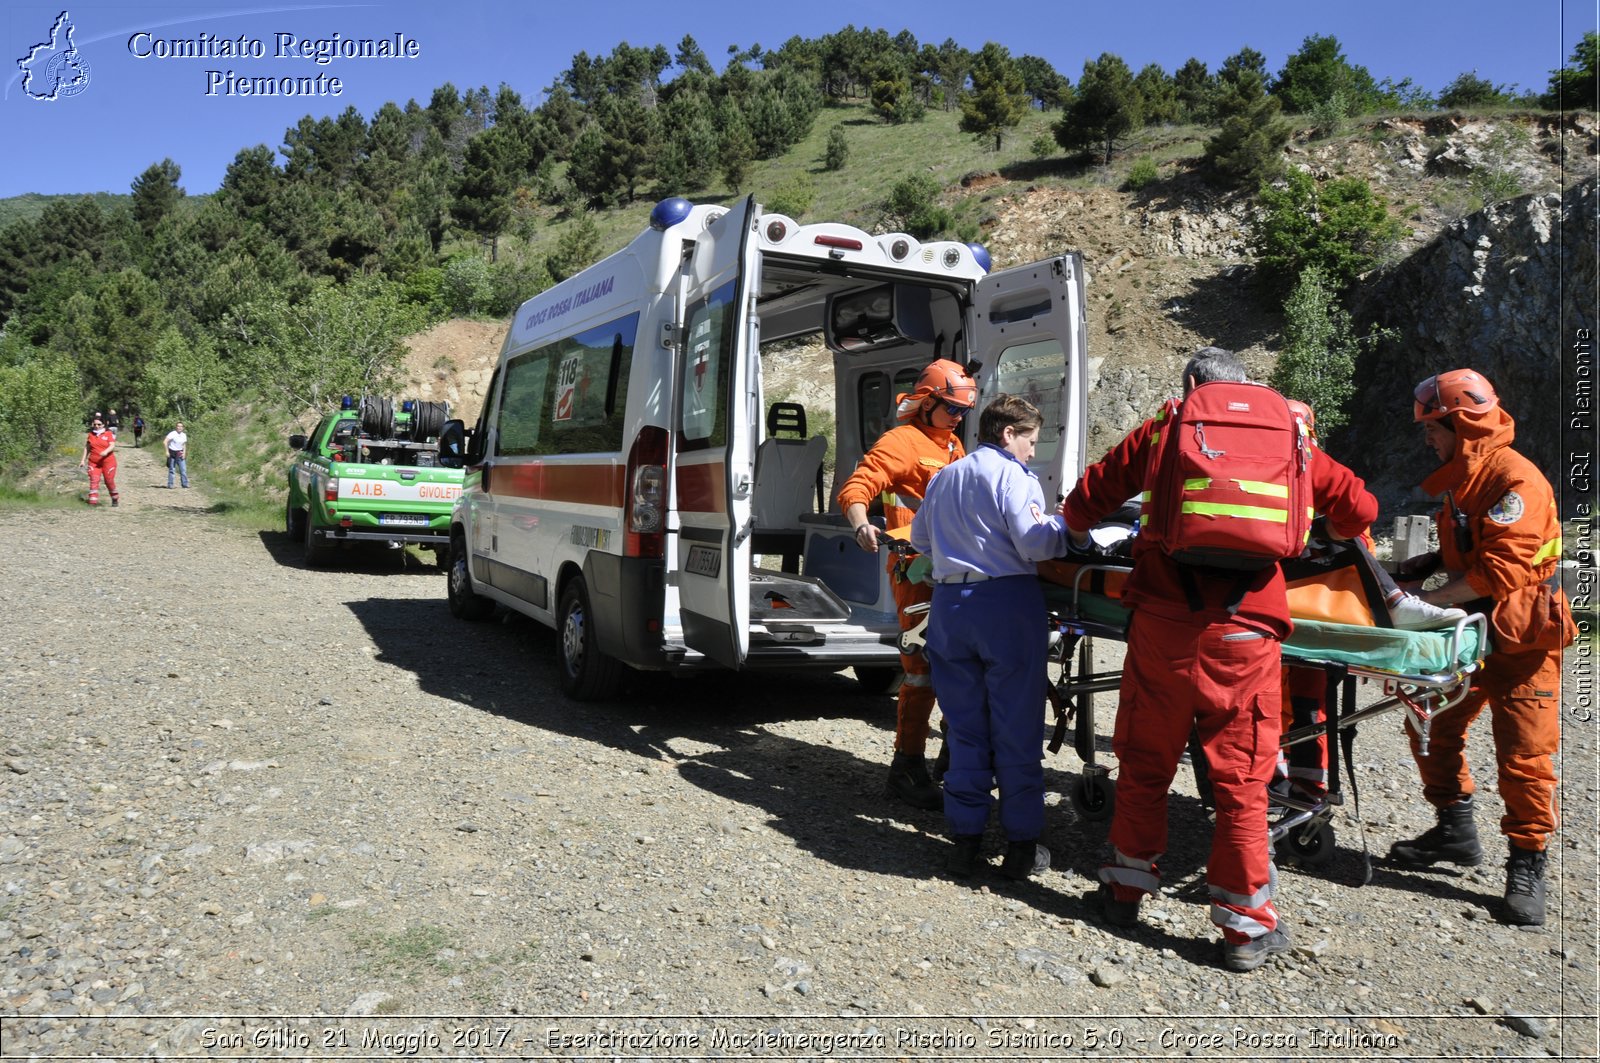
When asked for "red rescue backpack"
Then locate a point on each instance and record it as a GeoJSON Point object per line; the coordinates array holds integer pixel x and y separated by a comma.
{"type": "Point", "coordinates": [1229, 486]}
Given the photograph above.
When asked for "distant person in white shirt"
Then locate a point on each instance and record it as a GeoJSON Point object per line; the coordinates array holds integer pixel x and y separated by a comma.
{"type": "Point", "coordinates": [177, 455]}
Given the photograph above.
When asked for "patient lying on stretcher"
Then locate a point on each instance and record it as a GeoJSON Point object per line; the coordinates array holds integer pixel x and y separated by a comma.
{"type": "Point", "coordinates": [1332, 580]}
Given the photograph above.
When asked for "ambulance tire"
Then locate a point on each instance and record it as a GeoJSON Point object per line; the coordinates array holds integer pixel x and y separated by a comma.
{"type": "Point", "coordinates": [317, 551]}
{"type": "Point", "coordinates": [1094, 798]}
{"type": "Point", "coordinates": [877, 678]}
{"type": "Point", "coordinates": [294, 521]}
{"type": "Point", "coordinates": [586, 673]}
{"type": "Point", "coordinates": [465, 603]}
{"type": "Point", "coordinates": [1315, 850]}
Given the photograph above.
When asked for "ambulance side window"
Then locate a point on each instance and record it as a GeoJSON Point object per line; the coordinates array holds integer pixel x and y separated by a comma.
{"type": "Point", "coordinates": [591, 386]}
{"type": "Point", "coordinates": [875, 402]}
{"type": "Point", "coordinates": [1036, 371]}
{"type": "Point", "coordinates": [709, 327]}
{"type": "Point", "coordinates": [519, 422]}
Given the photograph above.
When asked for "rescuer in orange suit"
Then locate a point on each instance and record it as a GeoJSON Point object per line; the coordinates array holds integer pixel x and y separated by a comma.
{"type": "Point", "coordinates": [1303, 767]}
{"type": "Point", "coordinates": [1499, 541]}
{"type": "Point", "coordinates": [897, 470]}
{"type": "Point", "coordinates": [1215, 670]}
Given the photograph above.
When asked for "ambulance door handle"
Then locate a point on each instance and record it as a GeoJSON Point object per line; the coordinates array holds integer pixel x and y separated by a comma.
{"type": "Point", "coordinates": [741, 489]}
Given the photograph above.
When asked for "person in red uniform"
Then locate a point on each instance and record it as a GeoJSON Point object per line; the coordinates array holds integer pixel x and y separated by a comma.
{"type": "Point", "coordinates": [100, 458]}
{"type": "Point", "coordinates": [1499, 541]}
{"type": "Point", "coordinates": [1208, 670]}
{"type": "Point", "coordinates": [897, 470]}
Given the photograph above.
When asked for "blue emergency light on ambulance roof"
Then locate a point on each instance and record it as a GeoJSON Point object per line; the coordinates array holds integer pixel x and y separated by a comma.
{"type": "Point", "coordinates": [669, 212]}
{"type": "Point", "coordinates": [980, 255]}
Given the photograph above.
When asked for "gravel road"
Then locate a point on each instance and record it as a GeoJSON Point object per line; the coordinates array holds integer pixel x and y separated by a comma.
{"type": "Point", "coordinates": [259, 811]}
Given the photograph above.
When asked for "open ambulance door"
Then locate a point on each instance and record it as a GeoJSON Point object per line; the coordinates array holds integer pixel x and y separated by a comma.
{"type": "Point", "coordinates": [714, 468]}
{"type": "Point", "coordinates": [1029, 334]}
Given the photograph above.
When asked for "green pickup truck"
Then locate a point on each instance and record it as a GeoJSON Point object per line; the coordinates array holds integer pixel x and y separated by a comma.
{"type": "Point", "coordinates": [369, 473]}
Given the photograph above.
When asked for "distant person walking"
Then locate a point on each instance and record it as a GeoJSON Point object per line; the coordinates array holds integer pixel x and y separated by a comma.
{"type": "Point", "coordinates": [113, 421]}
{"type": "Point", "coordinates": [100, 458]}
{"type": "Point", "coordinates": [177, 455]}
{"type": "Point", "coordinates": [138, 430]}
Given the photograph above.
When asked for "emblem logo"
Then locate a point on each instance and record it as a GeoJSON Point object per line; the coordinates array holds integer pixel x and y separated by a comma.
{"type": "Point", "coordinates": [55, 69]}
{"type": "Point", "coordinates": [1508, 510]}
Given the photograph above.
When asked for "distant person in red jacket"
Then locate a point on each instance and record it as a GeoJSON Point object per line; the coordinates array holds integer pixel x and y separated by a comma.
{"type": "Point", "coordinates": [1212, 670]}
{"type": "Point", "coordinates": [100, 458]}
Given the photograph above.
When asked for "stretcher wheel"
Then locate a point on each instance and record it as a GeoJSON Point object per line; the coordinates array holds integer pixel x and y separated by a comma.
{"type": "Point", "coordinates": [1094, 798]}
{"type": "Point", "coordinates": [1315, 849]}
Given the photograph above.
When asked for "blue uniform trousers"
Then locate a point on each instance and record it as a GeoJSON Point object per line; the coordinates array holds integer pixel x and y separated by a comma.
{"type": "Point", "coordinates": [987, 643]}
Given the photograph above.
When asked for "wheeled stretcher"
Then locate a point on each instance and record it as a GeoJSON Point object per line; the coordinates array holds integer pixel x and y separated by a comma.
{"type": "Point", "coordinates": [1420, 673]}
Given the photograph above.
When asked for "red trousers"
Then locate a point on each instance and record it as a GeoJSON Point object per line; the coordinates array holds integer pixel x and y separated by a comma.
{"type": "Point", "coordinates": [108, 469]}
{"type": "Point", "coordinates": [1305, 764]}
{"type": "Point", "coordinates": [916, 689]}
{"type": "Point", "coordinates": [1522, 691]}
{"type": "Point", "coordinates": [1223, 681]}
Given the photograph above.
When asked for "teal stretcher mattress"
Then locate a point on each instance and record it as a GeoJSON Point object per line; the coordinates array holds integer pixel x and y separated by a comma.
{"type": "Point", "coordinates": [1417, 654]}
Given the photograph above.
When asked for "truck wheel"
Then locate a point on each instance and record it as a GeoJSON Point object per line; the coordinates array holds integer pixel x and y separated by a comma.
{"type": "Point", "coordinates": [465, 603]}
{"type": "Point", "coordinates": [294, 521]}
{"type": "Point", "coordinates": [586, 673]}
{"type": "Point", "coordinates": [317, 550]}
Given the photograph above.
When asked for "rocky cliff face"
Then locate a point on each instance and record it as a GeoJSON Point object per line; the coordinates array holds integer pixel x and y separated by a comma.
{"type": "Point", "coordinates": [1504, 291]}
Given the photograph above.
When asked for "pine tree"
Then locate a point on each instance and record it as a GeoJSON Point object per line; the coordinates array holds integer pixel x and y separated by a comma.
{"type": "Point", "coordinates": [999, 97]}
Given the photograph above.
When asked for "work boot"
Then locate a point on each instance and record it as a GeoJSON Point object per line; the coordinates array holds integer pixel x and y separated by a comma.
{"type": "Point", "coordinates": [1524, 888]}
{"type": "Point", "coordinates": [1453, 840]}
{"type": "Point", "coordinates": [965, 855]}
{"type": "Point", "coordinates": [908, 780]}
{"type": "Point", "coordinates": [1409, 613]}
{"type": "Point", "coordinates": [1253, 953]}
{"type": "Point", "coordinates": [1024, 860]}
{"type": "Point", "coordinates": [1117, 913]}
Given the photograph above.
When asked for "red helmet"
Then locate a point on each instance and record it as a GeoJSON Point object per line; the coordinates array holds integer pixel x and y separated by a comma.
{"type": "Point", "coordinates": [1459, 389]}
{"type": "Point", "coordinates": [1303, 412]}
{"type": "Point", "coordinates": [947, 382]}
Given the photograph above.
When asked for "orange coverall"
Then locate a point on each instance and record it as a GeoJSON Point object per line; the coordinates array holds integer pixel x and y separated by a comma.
{"type": "Point", "coordinates": [897, 470]}
{"type": "Point", "coordinates": [1500, 530]}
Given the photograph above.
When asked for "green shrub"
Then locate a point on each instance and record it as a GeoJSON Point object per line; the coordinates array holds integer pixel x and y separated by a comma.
{"type": "Point", "coordinates": [1319, 354]}
{"type": "Point", "coordinates": [837, 151]}
{"type": "Point", "coordinates": [911, 205]}
{"type": "Point", "coordinates": [1042, 147]}
{"type": "Point", "coordinates": [467, 287]}
{"type": "Point", "coordinates": [1340, 227]}
{"type": "Point", "coordinates": [40, 406]}
{"type": "Point", "coordinates": [794, 197]}
{"type": "Point", "coordinates": [1141, 173]}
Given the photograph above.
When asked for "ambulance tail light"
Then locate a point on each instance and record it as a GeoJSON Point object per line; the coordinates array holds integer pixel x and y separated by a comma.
{"type": "Point", "coordinates": [330, 489]}
{"type": "Point", "coordinates": [646, 480]}
{"type": "Point", "coordinates": [842, 242]}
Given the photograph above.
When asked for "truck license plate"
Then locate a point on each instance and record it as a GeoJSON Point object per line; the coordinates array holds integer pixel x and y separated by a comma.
{"type": "Point", "coordinates": [409, 520]}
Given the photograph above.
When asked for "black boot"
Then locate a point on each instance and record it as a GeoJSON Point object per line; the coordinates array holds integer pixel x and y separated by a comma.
{"type": "Point", "coordinates": [908, 780]}
{"type": "Point", "coordinates": [1024, 860]}
{"type": "Point", "coordinates": [1524, 904]}
{"type": "Point", "coordinates": [965, 856]}
{"type": "Point", "coordinates": [1453, 840]}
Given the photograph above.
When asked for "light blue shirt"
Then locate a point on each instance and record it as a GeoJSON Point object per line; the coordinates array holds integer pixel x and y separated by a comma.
{"type": "Point", "coordinates": [985, 514]}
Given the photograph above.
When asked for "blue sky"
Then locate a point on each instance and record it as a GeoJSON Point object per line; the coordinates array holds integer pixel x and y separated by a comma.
{"type": "Point", "coordinates": [133, 110]}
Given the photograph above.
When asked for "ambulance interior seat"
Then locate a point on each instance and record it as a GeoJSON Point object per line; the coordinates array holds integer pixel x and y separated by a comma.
{"type": "Point", "coordinates": [788, 484]}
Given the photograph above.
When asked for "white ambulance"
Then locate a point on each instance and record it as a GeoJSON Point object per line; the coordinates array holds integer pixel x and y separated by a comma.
{"type": "Point", "coordinates": [632, 483]}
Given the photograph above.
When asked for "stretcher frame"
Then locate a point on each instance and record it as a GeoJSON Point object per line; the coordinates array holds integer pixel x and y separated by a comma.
{"type": "Point", "coordinates": [1303, 824]}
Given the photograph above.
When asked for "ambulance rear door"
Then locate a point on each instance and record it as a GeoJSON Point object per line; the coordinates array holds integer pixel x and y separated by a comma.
{"type": "Point", "coordinates": [714, 460]}
{"type": "Point", "coordinates": [1028, 332]}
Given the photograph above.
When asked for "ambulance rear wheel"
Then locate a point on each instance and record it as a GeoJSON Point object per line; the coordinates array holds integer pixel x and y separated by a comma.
{"type": "Point", "coordinates": [465, 603]}
{"type": "Point", "coordinates": [877, 679]}
{"type": "Point", "coordinates": [1094, 798]}
{"type": "Point", "coordinates": [587, 674]}
{"type": "Point", "coordinates": [1313, 850]}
